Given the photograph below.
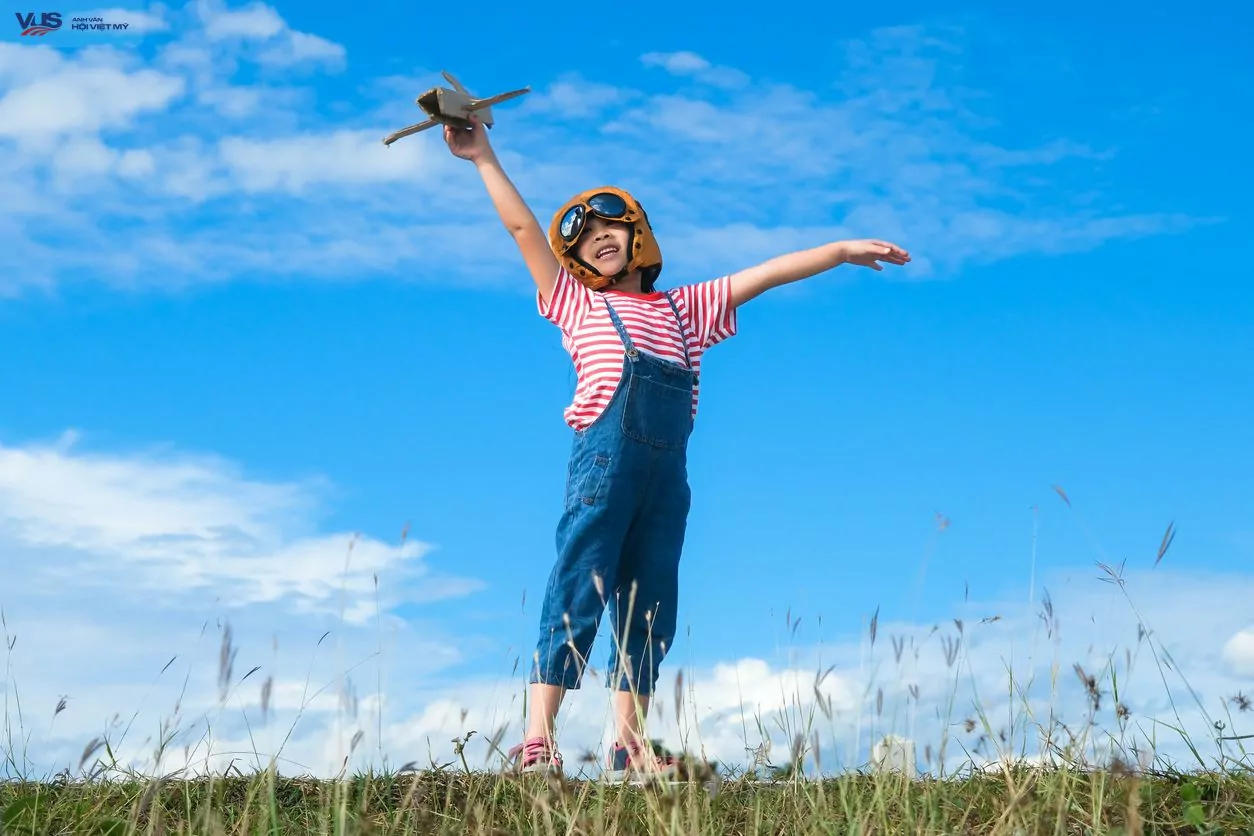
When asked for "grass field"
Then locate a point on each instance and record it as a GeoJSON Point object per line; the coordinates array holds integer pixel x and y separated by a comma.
{"type": "Point", "coordinates": [1017, 801]}
{"type": "Point", "coordinates": [1083, 779]}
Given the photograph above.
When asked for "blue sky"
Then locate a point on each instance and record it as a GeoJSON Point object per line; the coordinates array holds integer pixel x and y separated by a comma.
{"type": "Point", "coordinates": [236, 331]}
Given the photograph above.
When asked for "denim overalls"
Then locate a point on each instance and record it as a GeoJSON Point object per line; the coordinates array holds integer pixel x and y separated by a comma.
{"type": "Point", "coordinates": [627, 501]}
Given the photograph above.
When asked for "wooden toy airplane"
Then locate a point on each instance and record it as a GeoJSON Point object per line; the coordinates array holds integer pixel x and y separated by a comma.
{"type": "Point", "coordinates": [453, 107]}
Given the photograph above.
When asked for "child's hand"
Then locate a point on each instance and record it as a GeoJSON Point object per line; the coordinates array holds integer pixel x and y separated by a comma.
{"type": "Point", "coordinates": [470, 144]}
{"type": "Point", "coordinates": [869, 252]}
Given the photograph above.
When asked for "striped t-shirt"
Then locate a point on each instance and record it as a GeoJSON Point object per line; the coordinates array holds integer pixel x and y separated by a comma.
{"type": "Point", "coordinates": [588, 333]}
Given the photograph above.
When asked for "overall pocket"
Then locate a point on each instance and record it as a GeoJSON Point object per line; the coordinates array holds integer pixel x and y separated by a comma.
{"type": "Point", "coordinates": [585, 483]}
{"type": "Point", "coordinates": [657, 414]}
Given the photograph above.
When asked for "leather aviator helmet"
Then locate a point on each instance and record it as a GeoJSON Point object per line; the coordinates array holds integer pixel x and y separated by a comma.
{"type": "Point", "coordinates": [611, 204]}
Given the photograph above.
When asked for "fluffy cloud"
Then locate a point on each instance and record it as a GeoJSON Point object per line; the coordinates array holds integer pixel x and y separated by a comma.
{"type": "Point", "coordinates": [180, 138]}
{"type": "Point", "coordinates": [692, 65]}
{"type": "Point", "coordinates": [83, 96]}
{"type": "Point", "coordinates": [343, 158]}
{"type": "Point", "coordinates": [1238, 652]}
{"type": "Point", "coordinates": [279, 44]}
{"type": "Point", "coordinates": [185, 528]}
{"type": "Point", "coordinates": [143, 586]}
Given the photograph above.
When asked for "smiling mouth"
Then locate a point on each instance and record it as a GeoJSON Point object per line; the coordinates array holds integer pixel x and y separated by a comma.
{"type": "Point", "coordinates": [605, 252]}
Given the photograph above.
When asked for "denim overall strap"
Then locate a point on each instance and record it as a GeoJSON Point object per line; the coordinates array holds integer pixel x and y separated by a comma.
{"type": "Point", "coordinates": [683, 338]}
{"type": "Point", "coordinates": [632, 352]}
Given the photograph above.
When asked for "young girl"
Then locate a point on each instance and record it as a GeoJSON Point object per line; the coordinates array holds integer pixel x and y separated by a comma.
{"type": "Point", "coordinates": [637, 354]}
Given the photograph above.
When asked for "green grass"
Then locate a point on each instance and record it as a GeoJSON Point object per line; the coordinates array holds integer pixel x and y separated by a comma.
{"type": "Point", "coordinates": [1018, 801]}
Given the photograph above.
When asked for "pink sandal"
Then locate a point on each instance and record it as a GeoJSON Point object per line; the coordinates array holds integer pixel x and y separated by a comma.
{"type": "Point", "coordinates": [537, 754]}
{"type": "Point", "coordinates": [634, 764]}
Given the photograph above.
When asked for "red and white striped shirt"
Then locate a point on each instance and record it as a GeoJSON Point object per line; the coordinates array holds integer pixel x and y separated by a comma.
{"type": "Point", "coordinates": [588, 333]}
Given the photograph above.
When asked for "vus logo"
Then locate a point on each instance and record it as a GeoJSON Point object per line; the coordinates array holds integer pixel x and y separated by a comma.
{"type": "Point", "coordinates": [48, 22]}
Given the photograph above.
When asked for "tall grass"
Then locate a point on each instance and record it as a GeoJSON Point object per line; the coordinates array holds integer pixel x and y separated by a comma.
{"type": "Point", "coordinates": [1081, 778]}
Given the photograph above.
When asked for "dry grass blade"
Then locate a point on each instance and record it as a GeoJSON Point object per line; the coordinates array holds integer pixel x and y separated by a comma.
{"type": "Point", "coordinates": [93, 746]}
{"type": "Point", "coordinates": [875, 620]}
{"type": "Point", "coordinates": [1063, 494]}
{"type": "Point", "coordinates": [267, 690]}
{"type": "Point", "coordinates": [1166, 543]}
{"type": "Point", "coordinates": [679, 696]}
{"type": "Point", "coordinates": [822, 702]}
{"type": "Point", "coordinates": [226, 663]}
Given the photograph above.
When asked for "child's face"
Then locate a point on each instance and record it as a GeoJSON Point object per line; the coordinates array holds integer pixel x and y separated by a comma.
{"type": "Point", "coordinates": [604, 245]}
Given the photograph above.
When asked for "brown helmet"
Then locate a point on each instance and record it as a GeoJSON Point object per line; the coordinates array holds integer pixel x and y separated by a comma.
{"type": "Point", "coordinates": [612, 204]}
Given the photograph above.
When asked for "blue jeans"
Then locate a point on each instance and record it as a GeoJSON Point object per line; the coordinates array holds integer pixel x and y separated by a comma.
{"type": "Point", "coordinates": [621, 534]}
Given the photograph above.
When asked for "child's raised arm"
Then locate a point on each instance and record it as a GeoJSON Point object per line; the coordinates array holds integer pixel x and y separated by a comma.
{"type": "Point", "coordinates": [793, 267]}
{"type": "Point", "coordinates": [518, 218]}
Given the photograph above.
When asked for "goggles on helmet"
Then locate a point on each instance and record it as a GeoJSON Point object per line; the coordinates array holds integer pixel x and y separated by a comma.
{"type": "Point", "coordinates": [605, 205]}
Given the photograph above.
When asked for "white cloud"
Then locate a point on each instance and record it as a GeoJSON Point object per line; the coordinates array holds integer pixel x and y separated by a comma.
{"type": "Point", "coordinates": [121, 564]}
{"type": "Point", "coordinates": [346, 158]}
{"type": "Point", "coordinates": [576, 98]}
{"type": "Point", "coordinates": [84, 156]}
{"type": "Point", "coordinates": [255, 21]}
{"type": "Point", "coordinates": [302, 48]}
{"type": "Point", "coordinates": [232, 102]}
{"type": "Point", "coordinates": [182, 525]}
{"type": "Point", "coordinates": [283, 46]}
{"type": "Point", "coordinates": [690, 64]}
{"type": "Point", "coordinates": [897, 155]}
{"type": "Point", "coordinates": [81, 98]}
{"type": "Point", "coordinates": [136, 164]}
{"type": "Point", "coordinates": [1238, 652]}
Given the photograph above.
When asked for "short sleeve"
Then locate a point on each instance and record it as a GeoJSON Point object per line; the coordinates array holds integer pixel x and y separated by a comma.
{"type": "Point", "coordinates": [569, 303]}
{"type": "Point", "coordinates": [710, 310]}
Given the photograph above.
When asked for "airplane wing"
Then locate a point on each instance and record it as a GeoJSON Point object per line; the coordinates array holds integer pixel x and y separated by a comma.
{"type": "Point", "coordinates": [410, 131]}
{"type": "Point", "coordinates": [479, 104]}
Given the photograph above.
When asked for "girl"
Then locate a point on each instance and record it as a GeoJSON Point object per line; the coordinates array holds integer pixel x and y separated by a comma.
{"type": "Point", "coordinates": [637, 355]}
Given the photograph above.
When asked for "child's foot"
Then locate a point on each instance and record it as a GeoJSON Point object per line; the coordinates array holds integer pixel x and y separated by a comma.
{"type": "Point", "coordinates": [536, 754]}
{"type": "Point", "coordinates": [634, 764]}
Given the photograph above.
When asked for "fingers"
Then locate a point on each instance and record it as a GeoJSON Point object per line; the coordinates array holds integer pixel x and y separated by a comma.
{"type": "Point", "coordinates": [891, 252]}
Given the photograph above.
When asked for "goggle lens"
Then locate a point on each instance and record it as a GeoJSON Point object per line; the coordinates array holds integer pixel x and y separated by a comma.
{"type": "Point", "coordinates": [572, 223]}
{"type": "Point", "coordinates": [605, 205]}
{"type": "Point", "coordinates": [609, 206]}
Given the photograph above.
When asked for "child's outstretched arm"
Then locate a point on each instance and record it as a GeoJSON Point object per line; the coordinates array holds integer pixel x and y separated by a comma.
{"type": "Point", "coordinates": [532, 242]}
{"type": "Point", "coordinates": [803, 264]}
